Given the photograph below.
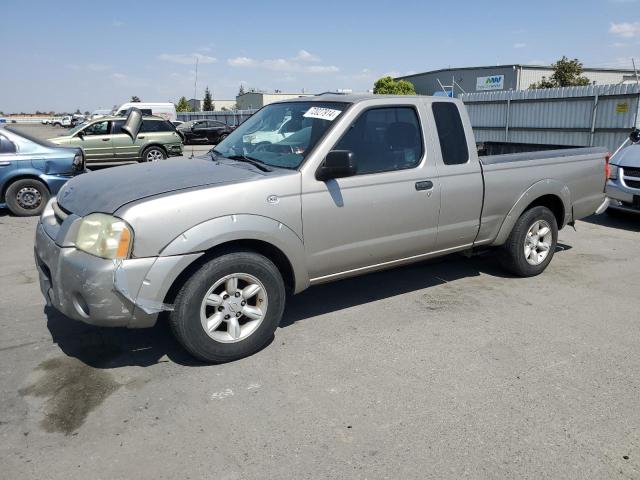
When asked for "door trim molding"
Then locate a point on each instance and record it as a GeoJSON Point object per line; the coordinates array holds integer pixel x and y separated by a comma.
{"type": "Point", "coordinates": [385, 265]}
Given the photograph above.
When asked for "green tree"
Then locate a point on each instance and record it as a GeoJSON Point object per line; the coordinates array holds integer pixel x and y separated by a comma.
{"type": "Point", "coordinates": [566, 73]}
{"type": "Point", "coordinates": [183, 105]}
{"type": "Point", "coordinates": [207, 102]}
{"type": "Point", "coordinates": [135, 99]}
{"type": "Point", "coordinates": [389, 86]}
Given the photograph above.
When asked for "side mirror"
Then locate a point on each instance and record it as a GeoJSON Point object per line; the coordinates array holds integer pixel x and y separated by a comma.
{"type": "Point", "coordinates": [80, 134]}
{"type": "Point", "coordinates": [337, 164]}
{"type": "Point", "coordinates": [133, 123]}
{"type": "Point", "coordinates": [634, 136]}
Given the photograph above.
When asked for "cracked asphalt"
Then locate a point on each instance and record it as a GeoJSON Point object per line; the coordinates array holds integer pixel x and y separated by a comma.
{"type": "Point", "coordinates": [445, 369]}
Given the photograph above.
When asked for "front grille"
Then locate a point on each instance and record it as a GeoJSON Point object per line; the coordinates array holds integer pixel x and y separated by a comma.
{"type": "Point", "coordinates": [631, 172]}
{"type": "Point", "coordinates": [632, 183]}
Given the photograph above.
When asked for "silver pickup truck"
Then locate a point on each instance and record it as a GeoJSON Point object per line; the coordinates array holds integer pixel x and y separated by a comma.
{"type": "Point", "coordinates": [358, 184]}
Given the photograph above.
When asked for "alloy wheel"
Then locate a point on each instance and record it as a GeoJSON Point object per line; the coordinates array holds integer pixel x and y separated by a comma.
{"type": "Point", "coordinates": [233, 308]}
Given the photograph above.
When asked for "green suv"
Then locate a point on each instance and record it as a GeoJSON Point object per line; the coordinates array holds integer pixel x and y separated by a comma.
{"type": "Point", "coordinates": [102, 140]}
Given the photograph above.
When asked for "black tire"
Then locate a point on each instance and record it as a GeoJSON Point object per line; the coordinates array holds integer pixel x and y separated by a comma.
{"type": "Point", "coordinates": [512, 257]}
{"type": "Point", "coordinates": [185, 318]}
{"type": "Point", "coordinates": [159, 151]}
{"type": "Point", "coordinates": [27, 197]}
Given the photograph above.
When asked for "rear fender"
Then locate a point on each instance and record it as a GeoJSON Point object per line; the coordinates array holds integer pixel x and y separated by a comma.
{"type": "Point", "coordinates": [535, 191]}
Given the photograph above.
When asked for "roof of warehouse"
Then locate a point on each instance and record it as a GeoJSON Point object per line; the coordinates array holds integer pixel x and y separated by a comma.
{"type": "Point", "coordinates": [516, 65]}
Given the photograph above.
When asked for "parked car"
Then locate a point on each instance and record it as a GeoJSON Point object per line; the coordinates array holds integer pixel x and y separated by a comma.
{"type": "Point", "coordinates": [47, 121]}
{"type": "Point", "coordinates": [62, 121]}
{"type": "Point", "coordinates": [623, 187]}
{"type": "Point", "coordinates": [103, 140]}
{"type": "Point", "coordinates": [31, 170]}
{"type": "Point", "coordinates": [166, 110]}
{"type": "Point", "coordinates": [204, 131]}
{"type": "Point", "coordinates": [77, 119]}
{"type": "Point", "coordinates": [371, 182]}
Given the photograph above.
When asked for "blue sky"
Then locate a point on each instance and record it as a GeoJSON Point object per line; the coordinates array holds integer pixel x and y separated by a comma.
{"type": "Point", "coordinates": [67, 55]}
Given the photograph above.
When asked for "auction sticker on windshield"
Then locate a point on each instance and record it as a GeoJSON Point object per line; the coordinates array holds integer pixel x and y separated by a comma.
{"type": "Point", "coordinates": [322, 113]}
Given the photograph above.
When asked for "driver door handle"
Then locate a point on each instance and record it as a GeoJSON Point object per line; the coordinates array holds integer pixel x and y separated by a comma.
{"type": "Point", "coordinates": [106, 139]}
{"type": "Point", "coordinates": [141, 137]}
{"type": "Point", "coordinates": [424, 185]}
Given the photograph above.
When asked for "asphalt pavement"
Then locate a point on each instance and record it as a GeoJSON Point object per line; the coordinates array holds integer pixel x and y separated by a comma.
{"type": "Point", "coordinates": [445, 369]}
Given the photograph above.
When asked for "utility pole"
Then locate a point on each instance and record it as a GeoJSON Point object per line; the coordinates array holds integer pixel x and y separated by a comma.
{"type": "Point", "coordinates": [195, 99]}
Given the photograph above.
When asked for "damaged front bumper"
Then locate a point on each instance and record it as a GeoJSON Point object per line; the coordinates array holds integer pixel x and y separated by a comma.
{"type": "Point", "coordinates": [112, 293]}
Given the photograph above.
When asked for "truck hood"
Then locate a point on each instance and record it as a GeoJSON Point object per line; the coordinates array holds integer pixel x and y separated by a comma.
{"type": "Point", "coordinates": [107, 190]}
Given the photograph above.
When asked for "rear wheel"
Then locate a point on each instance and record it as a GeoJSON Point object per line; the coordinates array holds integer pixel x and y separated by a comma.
{"type": "Point", "coordinates": [229, 308]}
{"type": "Point", "coordinates": [532, 243]}
{"type": "Point", "coordinates": [27, 197]}
{"type": "Point", "coordinates": [153, 154]}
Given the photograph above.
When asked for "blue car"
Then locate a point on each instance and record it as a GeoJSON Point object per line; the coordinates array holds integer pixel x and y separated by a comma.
{"type": "Point", "coordinates": [32, 170]}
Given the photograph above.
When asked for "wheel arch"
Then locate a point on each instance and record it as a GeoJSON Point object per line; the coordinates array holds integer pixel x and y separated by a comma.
{"type": "Point", "coordinates": [20, 176]}
{"type": "Point", "coordinates": [266, 249]}
{"type": "Point", "coordinates": [548, 193]}
{"type": "Point", "coordinates": [257, 233]}
{"type": "Point", "coordinates": [153, 144]}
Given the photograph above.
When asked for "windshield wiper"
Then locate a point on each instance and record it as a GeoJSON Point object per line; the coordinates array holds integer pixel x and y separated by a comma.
{"type": "Point", "coordinates": [214, 153]}
{"type": "Point", "coordinates": [253, 161]}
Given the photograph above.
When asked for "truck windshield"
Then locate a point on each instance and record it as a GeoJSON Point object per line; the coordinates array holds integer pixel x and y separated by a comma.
{"type": "Point", "coordinates": [282, 134]}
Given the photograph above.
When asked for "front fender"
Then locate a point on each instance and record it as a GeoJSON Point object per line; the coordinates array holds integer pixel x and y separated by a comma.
{"type": "Point", "coordinates": [231, 228]}
{"type": "Point", "coordinates": [535, 191]}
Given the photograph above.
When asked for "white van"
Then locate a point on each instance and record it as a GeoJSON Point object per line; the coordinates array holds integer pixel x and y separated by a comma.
{"type": "Point", "coordinates": [164, 110]}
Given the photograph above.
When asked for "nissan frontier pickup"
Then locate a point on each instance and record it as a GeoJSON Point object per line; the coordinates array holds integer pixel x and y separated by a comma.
{"type": "Point", "coordinates": [360, 183]}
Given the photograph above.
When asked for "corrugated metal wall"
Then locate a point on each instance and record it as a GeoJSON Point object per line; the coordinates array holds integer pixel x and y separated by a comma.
{"type": "Point", "coordinates": [230, 117]}
{"type": "Point", "coordinates": [600, 115]}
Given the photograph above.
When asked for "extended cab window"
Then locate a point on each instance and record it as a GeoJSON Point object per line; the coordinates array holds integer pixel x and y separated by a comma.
{"type": "Point", "coordinates": [6, 145]}
{"type": "Point", "coordinates": [453, 141]}
{"type": "Point", "coordinates": [384, 139]}
{"type": "Point", "coordinates": [100, 128]}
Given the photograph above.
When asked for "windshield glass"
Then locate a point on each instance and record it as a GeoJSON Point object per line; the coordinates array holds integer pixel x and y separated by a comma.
{"type": "Point", "coordinates": [77, 128]}
{"type": "Point", "coordinates": [282, 134]}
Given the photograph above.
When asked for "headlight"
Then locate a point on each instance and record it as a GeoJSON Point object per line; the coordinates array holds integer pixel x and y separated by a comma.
{"type": "Point", "coordinates": [78, 161]}
{"type": "Point", "coordinates": [613, 172]}
{"type": "Point", "coordinates": [104, 236]}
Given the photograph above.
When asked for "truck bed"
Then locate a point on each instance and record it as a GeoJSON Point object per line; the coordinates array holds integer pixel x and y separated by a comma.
{"type": "Point", "coordinates": [580, 173]}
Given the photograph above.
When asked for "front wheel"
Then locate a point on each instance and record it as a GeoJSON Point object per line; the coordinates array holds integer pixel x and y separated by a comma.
{"type": "Point", "coordinates": [531, 244]}
{"type": "Point", "coordinates": [153, 154]}
{"type": "Point", "coordinates": [27, 197]}
{"type": "Point", "coordinates": [230, 308]}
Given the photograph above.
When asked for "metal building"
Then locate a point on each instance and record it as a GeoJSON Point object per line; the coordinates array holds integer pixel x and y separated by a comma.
{"type": "Point", "coordinates": [502, 77]}
{"type": "Point", "coordinates": [252, 100]}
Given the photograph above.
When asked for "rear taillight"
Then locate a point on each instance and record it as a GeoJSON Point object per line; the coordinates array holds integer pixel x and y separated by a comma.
{"type": "Point", "coordinates": [607, 167]}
